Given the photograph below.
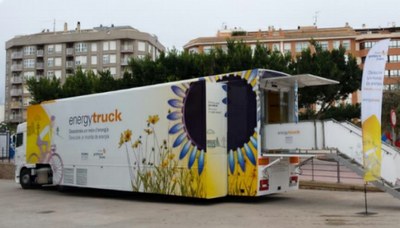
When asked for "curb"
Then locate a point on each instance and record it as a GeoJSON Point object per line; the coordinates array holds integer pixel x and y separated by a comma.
{"type": "Point", "coordinates": [318, 185]}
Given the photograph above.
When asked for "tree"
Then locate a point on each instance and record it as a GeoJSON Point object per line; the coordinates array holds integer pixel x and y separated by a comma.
{"type": "Point", "coordinates": [390, 100]}
{"type": "Point", "coordinates": [44, 89]}
{"type": "Point", "coordinates": [79, 84]}
{"type": "Point", "coordinates": [332, 65]}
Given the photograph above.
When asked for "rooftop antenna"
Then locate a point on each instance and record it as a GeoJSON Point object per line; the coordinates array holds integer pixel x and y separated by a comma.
{"type": "Point", "coordinates": [316, 18]}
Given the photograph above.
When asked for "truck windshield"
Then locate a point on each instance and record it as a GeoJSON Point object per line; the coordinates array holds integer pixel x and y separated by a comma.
{"type": "Point", "coordinates": [19, 141]}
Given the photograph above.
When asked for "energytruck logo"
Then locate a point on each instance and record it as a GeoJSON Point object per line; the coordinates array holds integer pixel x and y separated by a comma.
{"type": "Point", "coordinates": [87, 120]}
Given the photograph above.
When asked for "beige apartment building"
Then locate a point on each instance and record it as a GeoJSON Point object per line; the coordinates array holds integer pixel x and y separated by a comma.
{"type": "Point", "coordinates": [357, 42]}
{"type": "Point", "coordinates": [58, 54]}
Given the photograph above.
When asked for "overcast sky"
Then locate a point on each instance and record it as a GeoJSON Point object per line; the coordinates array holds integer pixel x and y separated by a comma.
{"type": "Point", "coordinates": [175, 22]}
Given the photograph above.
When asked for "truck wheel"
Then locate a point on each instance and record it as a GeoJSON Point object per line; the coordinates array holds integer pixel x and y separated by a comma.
{"type": "Point", "coordinates": [25, 179]}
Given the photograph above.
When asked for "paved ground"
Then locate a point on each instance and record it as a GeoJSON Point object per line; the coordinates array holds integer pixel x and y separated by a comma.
{"type": "Point", "coordinates": [93, 208]}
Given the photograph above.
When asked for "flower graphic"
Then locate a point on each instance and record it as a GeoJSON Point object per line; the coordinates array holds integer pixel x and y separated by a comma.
{"type": "Point", "coordinates": [153, 119]}
{"type": "Point", "coordinates": [244, 147]}
{"type": "Point", "coordinates": [190, 142]}
{"type": "Point", "coordinates": [127, 135]}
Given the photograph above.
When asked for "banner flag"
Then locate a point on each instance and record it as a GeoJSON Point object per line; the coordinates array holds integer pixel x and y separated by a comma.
{"type": "Point", "coordinates": [371, 108]}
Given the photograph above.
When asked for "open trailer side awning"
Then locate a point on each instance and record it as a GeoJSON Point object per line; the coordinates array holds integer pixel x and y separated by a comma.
{"type": "Point", "coordinates": [302, 80]}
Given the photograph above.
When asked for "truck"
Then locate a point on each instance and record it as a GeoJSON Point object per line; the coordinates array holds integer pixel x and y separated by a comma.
{"type": "Point", "coordinates": [201, 137]}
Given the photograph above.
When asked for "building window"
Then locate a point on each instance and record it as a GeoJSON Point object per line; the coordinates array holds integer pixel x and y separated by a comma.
{"type": "Point", "coordinates": [80, 47]}
{"type": "Point", "coordinates": [336, 44]}
{"type": "Point", "coordinates": [113, 59]}
{"type": "Point", "coordinates": [50, 62]}
{"type": "Point", "coordinates": [50, 49]}
{"type": "Point", "coordinates": [207, 49]}
{"type": "Point", "coordinates": [394, 58]}
{"type": "Point", "coordinates": [58, 48]}
{"type": "Point", "coordinates": [287, 47]}
{"type": "Point", "coordinates": [394, 73]}
{"type": "Point", "coordinates": [346, 44]}
{"type": "Point", "coordinates": [57, 62]}
{"type": "Point", "coordinates": [50, 74]}
{"type": "Point", "coordinates": [29, 63]}
{"type": "Point", "coordinates": [323, 45]}
{"type": "Point", "coordinates": [57, 74]}
{"type": "Point", "coordinates": [300, 46]}
{"type": "Point", "coordinates": [80, 60]}
{"type": "Point", "coordinates": [113, 71]}
{"type": "Point", "coordinates": [113, 45]}
{"type": "Point", "coordinates": [93, 60]}
{"type": "Point", "coordinates": [29, 74]}
{"type": "Point", "coordinates": [276, 47]}
{"type": "Point", "coordinates": [94, 47]}
{"type": "Point", "coordinates": [394, 44]}
{"type": "Point", "coordinates": [106, 59]}
{"type": "Point", "coordinates": [141, 46]}
{"type": "Point", "coordinates": [29, 50]}
{"type": "Point", "coordinates": [386, 73]}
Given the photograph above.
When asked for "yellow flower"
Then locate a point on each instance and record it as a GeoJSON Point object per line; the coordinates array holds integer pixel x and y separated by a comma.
{"type": "Point", "coordinates": [136, 144]}
{"type": "Point", "coordinates": [148, 131]}
{"type": "Point", "coordinates": [153, 119]}
{"type": "Point", "coordinates": [164, 164]}
{"type": "Point", "coordinates": [121, 140]}
{"type": "Point", "coordinates": [127, 135]}
{"type": "Point", "coordinates": [171, 156]}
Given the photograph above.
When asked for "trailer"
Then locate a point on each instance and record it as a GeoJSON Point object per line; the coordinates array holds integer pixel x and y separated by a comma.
{"type": "Point", "coordinates": [199, 138]}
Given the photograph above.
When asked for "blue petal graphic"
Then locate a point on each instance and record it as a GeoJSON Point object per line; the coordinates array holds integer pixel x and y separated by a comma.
{"type": "Point", "coordinates": [231, 161]}
{"type": "Point", "coordinates": [176, 128]}
{"type": "Point", "coordinates": [225, 100]}
{"type": "Point", "coordinates": [192, 157]}
{"type": "Point", "coordinates": [185, 149]}
{"type": "Point", "coordinates": [241, 159]}
{"type": "Point", "coordinates": [225, 87]}
{"type": "Point", "coordinates": [250, 154]}
{"type": "Point", "coordinates": [178, 91]}
{"type": "Point", "coordinates": [201, 162]}
{"type": "Point", "coordinates": [175, 103]}
{"type": "Point", "coordinates": [175, 115]}
{"type": "Point", "coordinates": [253, 141]}
{"type": "Point", "coordinates": [179, 139]}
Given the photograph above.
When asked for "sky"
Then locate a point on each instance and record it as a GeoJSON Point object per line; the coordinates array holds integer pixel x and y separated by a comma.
{"type": "Point", "coordinates": [176, 22]}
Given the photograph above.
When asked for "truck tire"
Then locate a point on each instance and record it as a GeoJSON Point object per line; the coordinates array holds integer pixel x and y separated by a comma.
{"type": "Point", "coordinates": [25, 179]}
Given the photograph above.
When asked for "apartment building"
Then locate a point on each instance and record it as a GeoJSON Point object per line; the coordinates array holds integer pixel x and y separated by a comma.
{"type": "Point", "coordinates": [58, 54]}
{"type": "Point", "coordinates": [357, 42]}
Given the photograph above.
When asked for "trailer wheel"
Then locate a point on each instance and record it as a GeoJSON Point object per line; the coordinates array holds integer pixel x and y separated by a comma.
{"type": "Point", "coordinates": [25, 179]}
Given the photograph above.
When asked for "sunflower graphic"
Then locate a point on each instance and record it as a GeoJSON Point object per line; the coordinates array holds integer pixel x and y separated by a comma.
{"type": "Point", "coordinates": [188, 113]}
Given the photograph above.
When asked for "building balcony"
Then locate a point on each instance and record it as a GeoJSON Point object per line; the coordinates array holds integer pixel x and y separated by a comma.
{"type": "Point", "coordinates": [16, 55]}
{"type": "Point", "coordinates": [15, 105]}
{"type": "Point", "coordinates": [70, 64]}
{"type": "Point", "coordinates": [16, 92]}
{"type": "Point", "coordinates": [16, 67]}
{"type": "Point", "coordinates": [39, 53]}
{"type": "Point", "coordinates": [39, 65]}
{"type": "Point", "coordinates": [127, 49]}
{"type": "Point", "coordinates": [70, 51]}
{"type": "Point", "coordinates": [16, 118]}
{"type": "Point", "coordinates": [16, 80]}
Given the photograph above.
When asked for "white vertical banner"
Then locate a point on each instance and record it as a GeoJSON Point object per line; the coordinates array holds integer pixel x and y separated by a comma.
{"type": "Point", "coordinates": [371, 108]}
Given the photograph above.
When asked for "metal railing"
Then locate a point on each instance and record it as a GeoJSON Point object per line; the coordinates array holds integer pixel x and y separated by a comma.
{"type": "Point", "coordinates": [328, 170]}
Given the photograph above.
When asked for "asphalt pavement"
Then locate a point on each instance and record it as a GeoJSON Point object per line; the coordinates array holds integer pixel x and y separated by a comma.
{"type": "Point", "coordinates": [97, 208]}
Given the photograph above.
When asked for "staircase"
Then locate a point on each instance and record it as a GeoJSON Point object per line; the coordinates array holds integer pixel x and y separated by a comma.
{"type": "Point", "coordinates": [359, 169]}
{"type": "Point", "coordinates": [340, 141]}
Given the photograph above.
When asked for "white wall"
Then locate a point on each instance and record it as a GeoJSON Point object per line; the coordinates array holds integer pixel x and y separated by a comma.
{"type": "Point", "coordinates": [1, 113]}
